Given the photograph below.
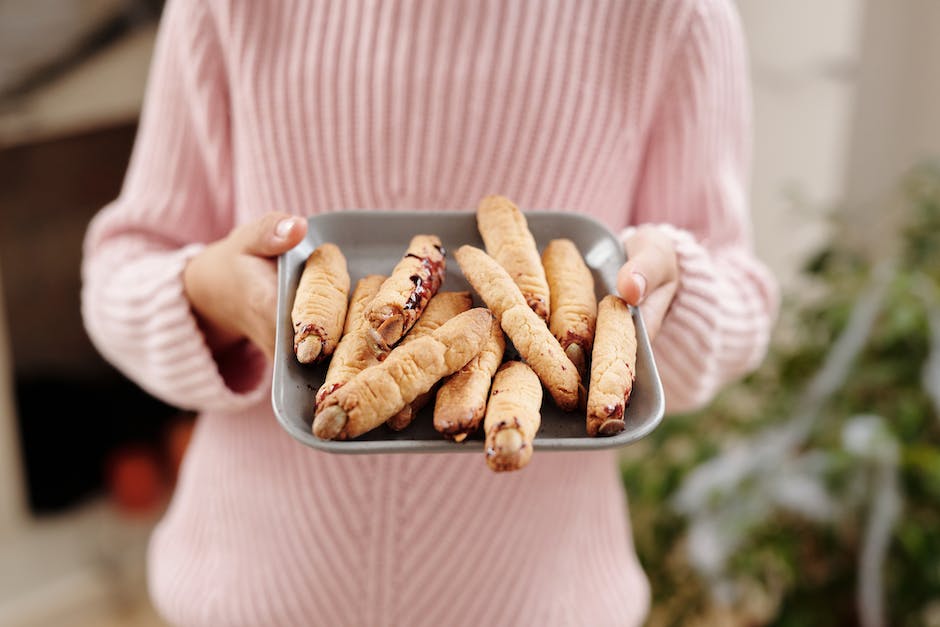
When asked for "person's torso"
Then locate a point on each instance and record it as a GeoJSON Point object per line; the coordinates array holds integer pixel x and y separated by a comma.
{"type": "Point", "coordinates": [265, 531]}
{"type": "Point", "coordinates": [417, 105]}
{"type": "Point", "coordinates": [433, 105]}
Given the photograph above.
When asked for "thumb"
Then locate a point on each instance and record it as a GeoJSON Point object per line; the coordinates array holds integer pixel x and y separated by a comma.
{"type": "Point", "coordinates": [270, 235]}
{"type": "Point", "coordinates": [651, 264]}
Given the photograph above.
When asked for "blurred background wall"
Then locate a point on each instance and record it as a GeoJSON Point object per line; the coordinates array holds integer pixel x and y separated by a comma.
{"type": "Point", "coordinates": [845, 93]}
{"type": "Point", "coordinates": [804, 62]}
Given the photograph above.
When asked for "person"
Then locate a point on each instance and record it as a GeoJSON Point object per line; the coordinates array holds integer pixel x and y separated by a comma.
{"type": "Point", "coordinates": [259, 114]}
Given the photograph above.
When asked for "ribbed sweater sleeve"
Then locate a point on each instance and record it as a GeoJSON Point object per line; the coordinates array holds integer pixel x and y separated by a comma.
{"type": "Point", "coordinates": [177, 196]}
{"type": "Point", "coordinates": [694, 187]}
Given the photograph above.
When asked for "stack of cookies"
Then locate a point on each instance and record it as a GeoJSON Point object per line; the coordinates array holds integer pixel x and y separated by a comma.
{"type": "Point", "coordinates": [400, 342]}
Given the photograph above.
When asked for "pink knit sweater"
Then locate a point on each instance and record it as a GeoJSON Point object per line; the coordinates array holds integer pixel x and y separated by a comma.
{"type": "Point", "coordinates": [630, 110]}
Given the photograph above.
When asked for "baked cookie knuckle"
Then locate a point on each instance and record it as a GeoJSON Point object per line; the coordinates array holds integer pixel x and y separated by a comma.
{"type": "Point", "coordinates": [507, 238]}
{"type": "Point", "coordinates": [353, 353]}
{"type": "Point", "coordinates": [613, 368]}
{"type": "Point", "coordinates": [382, 390]}
{"type": "Point", "coordinates": [461, 401]}
{"type": "Point", "coordinates": [489, 280]}
{"type": "Point", "coordinates": [405, 294]}
{"type": "Point", "coordinates": [320, 303]}
{"type": "Point", "coordinates": [442, 307]}
{"type": "Point", "coordinates": [540, 350]}
{"type": "Point", "coordinates": [573, 301]}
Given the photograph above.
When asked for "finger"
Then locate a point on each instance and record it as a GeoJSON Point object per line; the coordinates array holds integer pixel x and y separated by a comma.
{"type": "Point", "coordinates": [262, 307]}
{"type": "Point", "coordinates": [266, 341]}
{"type": "Point", "coordinates": [655, 308]}
{"type": "Point", "coordinates": [651, 264]}
{"type": "Point", "coordinates": [270, 235]}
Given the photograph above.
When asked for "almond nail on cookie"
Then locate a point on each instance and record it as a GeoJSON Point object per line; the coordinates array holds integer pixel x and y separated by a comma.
{"type": "Point", "coordinates": [512, 417]}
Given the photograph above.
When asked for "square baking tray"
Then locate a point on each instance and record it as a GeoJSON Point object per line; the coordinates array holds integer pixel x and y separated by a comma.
{"type": "Point", "coordinates": [373, 242]}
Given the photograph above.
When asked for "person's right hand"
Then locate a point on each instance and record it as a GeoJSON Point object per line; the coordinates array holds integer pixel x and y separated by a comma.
{"type": "Point", "coordinates": [232, 283]}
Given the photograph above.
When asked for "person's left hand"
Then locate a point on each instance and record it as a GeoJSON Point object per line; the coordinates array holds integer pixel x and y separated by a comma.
{"type": "Point", "coordinates": [650, 277]}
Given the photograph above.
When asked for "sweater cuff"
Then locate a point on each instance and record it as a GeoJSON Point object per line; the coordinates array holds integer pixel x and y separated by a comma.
{"type": "Point", "coordinates": [141, 320]}
{"type": "Point", "coordinates": [689, 338]}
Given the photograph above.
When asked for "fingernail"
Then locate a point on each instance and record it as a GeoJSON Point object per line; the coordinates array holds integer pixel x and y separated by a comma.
{"type": "Point", "coordinates": [283, 228]}
{"type": "Point", "coordinates": [640, 281]}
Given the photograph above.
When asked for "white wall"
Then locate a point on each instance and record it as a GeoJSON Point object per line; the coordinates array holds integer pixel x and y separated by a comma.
{"type": "Point", "coordinates": [847, 99]}
{"type": "Point", "coordinates": [898, 114]}
{"type": "Point", "coordinates": [803, 55]}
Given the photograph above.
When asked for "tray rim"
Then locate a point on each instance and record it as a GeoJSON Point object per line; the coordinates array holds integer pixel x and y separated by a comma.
{"type": "Point", "coordinates": [373, 447]}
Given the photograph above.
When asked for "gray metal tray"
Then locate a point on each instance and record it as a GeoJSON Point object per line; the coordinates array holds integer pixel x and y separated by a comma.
{"type": "Point", "coordinates": [373, 242]}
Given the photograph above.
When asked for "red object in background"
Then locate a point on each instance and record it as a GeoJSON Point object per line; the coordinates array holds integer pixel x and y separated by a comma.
{"type": "Point", "coordinates": [139, 477]}
{"type": "Point", "coordinates": [135, 480]}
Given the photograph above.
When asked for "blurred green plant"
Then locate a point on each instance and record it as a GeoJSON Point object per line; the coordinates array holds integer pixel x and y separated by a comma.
{"type": "Point", "coordinates": [809, 494]}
